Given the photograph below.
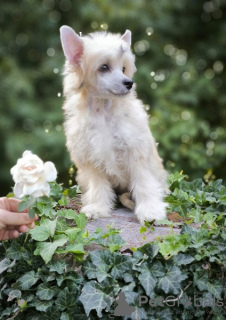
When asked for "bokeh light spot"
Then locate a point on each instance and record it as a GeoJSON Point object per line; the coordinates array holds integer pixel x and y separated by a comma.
{"type": "Point", "coordinates": [21, 39]}
{"type": "Point", "coordinates": [51, 52]}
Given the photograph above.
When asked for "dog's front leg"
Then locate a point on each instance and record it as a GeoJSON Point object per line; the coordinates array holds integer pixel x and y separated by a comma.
{"type": "Point", "coordinates": [98, 198]}
{"type": "Point", "coordinates": [148, 193]}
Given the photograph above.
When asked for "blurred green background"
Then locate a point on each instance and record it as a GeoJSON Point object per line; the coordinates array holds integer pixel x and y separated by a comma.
{"type": "Point", "coordinates": [180, 57]}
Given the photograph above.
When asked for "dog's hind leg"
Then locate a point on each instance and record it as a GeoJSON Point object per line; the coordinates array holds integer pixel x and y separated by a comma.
{"type": "Point", "coordinates": [126, 201]}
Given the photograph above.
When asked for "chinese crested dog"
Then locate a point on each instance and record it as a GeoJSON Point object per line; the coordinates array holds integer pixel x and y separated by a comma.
{"type": "Point", "coordinates": [107, 128]}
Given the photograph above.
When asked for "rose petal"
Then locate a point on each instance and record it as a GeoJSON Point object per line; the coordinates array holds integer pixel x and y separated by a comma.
{"type": "Point", "coordinates": [32, 158]}
{"type": "Point", "coordinates": [14, 173]}
{"type": "Point", "coordinates": [37, 193]}
{"type": "Point", "coordinates": [45, 191]}
{"type": "Point", "coordinates": [30, 188]}
{"type": "Point", "coordinates": [18, 190]}
{"type": "Point", "coordinates": [50, 171]}
{"type": "Point", "coordinates": [29, 178]}
{"type": "Point", "coordinates": [26, 153]}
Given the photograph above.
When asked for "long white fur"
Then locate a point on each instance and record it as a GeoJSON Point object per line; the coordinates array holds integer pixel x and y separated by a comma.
{"type": "Point", "coordinates": [107, 128]}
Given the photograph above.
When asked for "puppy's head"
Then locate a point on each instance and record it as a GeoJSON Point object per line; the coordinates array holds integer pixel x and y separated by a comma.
{"type": "Point", "coordinates": [102, 63]}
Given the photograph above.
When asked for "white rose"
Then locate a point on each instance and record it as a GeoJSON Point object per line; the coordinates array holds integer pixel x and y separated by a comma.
{"type": "Point", "coordinates": [31, 176]}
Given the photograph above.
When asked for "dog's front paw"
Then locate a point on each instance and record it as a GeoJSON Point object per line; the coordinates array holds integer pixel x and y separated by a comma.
{"type": "Point", "coordinates": [94, 212]}
{"type": "Point", "coordinates": [148, 211]}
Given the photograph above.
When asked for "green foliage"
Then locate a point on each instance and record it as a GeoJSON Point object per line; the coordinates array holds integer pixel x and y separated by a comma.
{"type": "Point", "coordinates": [46, 274]}
{"type": "Point", "coordinates": [181, 77]}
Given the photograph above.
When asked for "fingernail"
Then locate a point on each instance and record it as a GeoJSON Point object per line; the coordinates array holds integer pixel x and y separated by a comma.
{"type": "Point", "coordinates": [28, 218]}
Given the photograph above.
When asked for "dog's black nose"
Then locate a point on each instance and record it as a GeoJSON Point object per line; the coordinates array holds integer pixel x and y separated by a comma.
{"type": "Point", "coordinates": [128, 84]}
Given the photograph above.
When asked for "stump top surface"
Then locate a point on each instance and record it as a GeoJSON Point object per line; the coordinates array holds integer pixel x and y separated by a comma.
{"type": "Point", "coordinates": [126, 220]}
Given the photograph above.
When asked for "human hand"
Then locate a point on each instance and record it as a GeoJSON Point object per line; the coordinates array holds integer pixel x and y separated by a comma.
{"type": "Point", "coordinates": [12, 222]}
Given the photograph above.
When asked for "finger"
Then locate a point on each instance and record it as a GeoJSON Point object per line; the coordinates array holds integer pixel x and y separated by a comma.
{"type": "Point", "coordinates": [23, 229]}
{"type": "Point", "coordinates": [10, 234]}
{"type": "Point", "coordinates": [31, 226]}
{"type": "Point", "coordinates": [9, 218]}
{"type": "Point", "coordinates": [9, 204]}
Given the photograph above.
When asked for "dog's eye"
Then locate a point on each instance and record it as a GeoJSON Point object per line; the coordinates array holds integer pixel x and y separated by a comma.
{"type": "Point", "coordinates": [123, 69]}
{"type": "Point", "coordinates": [104, 68]}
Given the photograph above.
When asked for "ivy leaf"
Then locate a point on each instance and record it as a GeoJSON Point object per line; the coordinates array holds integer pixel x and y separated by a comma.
{"type": "Point", "coordinates": [150, 249]}
{"type": "Point", "coordinates": [132, 300]}
{"type": "Point", "coordinates": [67, 213]}
{"type": "Point", "coordinates": [23, 205]}
{"type": "Point", "coordinates": [164, 314]}
{"type": "Point", "coordinates": [81, 220]}
{"type": "Point", "coordinates": [51, 314]}
{"type": "Point", "coordinates": [65, 300]}
{"type": "Point", "coordinates": [32, 213]}
{"type": "Point", "coordinates": [44, 206]}
{"type": "Point", "coordinates": [78, 315]}
{"type": "Point", "coordinates": [142, 230]}
{"type": "Point", "coordinates": [64, 316]}
{"type": "Point", "coordinates": [6, 264]}
{"type": "Point", "coordinates": [90, 270]}
{"type": "Point", "coordinates": [94, 297]}
{"type": "Point", "coordinates": [183, 259]}
{"type": "Point", "coordinates": [73, 191]}
{"type": "Point", "coordinates": [55, 189]}
{"type": "Point", "coordinates": [193, 185]}
{"type": "Point", "coordinates": [216, 288]}
{"type": "Point", "coordinates": [148, 276]}
{"type": "Point", "coordinates": [100, 273]}
{"type": "Point", "coordinates": [41, 305]}
{"type": "Point", "coordinates": [73, 277]}
{"type": "Point", "coordinates": [201, 279]}
{"type": "Point", "coordinates": [98, 237]}
{"type": "Point", "coordinates": [27, 280]}
{"type": "Point", "coordinates": [58, 266]}
{"type": "Point", "coordinates": [72, 233]}
{"type": "Point", "coordinates": [175, 179]}
{"type": "Point", "coordinates": [171, 282]}
{"type": "Point", "coordinates": [75, 248]}
{"type": "Point", "coordinates": [17, 252]}
{"type": "Point", "coordinates": [174, 243]}
{"type": "Point", "coordinates": [148, 281]}
{"type": "Point", "coordinates": [100, 266]}
{"type": "Point", "coordinates": [7, 312]}
{"type": "Point", "coordinates": [121, 264]}
{"type": "Point", "coordinates": [14, 294]}
{"type": "Point", "coordinates": [47, 249]}
{"type": "Point", "coordinates": [223, 200]}
{"type": "Point", "coordinates": [115, 242]}
{"type": "Point", "coordinates": [61, 225]}
{"type": "Point", "coordinates": [63, 201]}
{"type": "Point", "coordinates": [196, 215]}
{"type": "Point", "coordinates": [101, 257]}
{"type": "Point", "coordinates": [44, 292]}
{"type": "Point", "coordinates": [44, 231]}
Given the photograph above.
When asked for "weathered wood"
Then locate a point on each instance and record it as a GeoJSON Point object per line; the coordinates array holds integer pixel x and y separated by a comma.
{"type": "Point", "coordinates": [125, 220]}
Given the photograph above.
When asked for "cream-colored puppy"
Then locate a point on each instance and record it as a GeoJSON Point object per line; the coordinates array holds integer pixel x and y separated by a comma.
{"type": "Point", "coordinates": [107, 129]}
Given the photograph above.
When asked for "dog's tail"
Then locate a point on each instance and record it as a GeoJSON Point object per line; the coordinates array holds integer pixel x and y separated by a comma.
{"type": "Point", "coordinates": [126, 201]}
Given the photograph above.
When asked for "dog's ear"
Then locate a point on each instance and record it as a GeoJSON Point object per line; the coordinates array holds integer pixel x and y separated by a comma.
{"type": "Point", "coordinates": [72, 44]}
{"type": "Point", "coordinates": [127, 37]}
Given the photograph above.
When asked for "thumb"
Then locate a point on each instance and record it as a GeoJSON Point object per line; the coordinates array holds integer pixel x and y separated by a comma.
{"type": "Point", "coordinates": [15, 218]}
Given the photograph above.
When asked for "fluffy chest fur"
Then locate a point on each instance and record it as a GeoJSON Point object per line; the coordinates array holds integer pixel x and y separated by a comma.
{"type": "Point", "coordinates": [106, 132]}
